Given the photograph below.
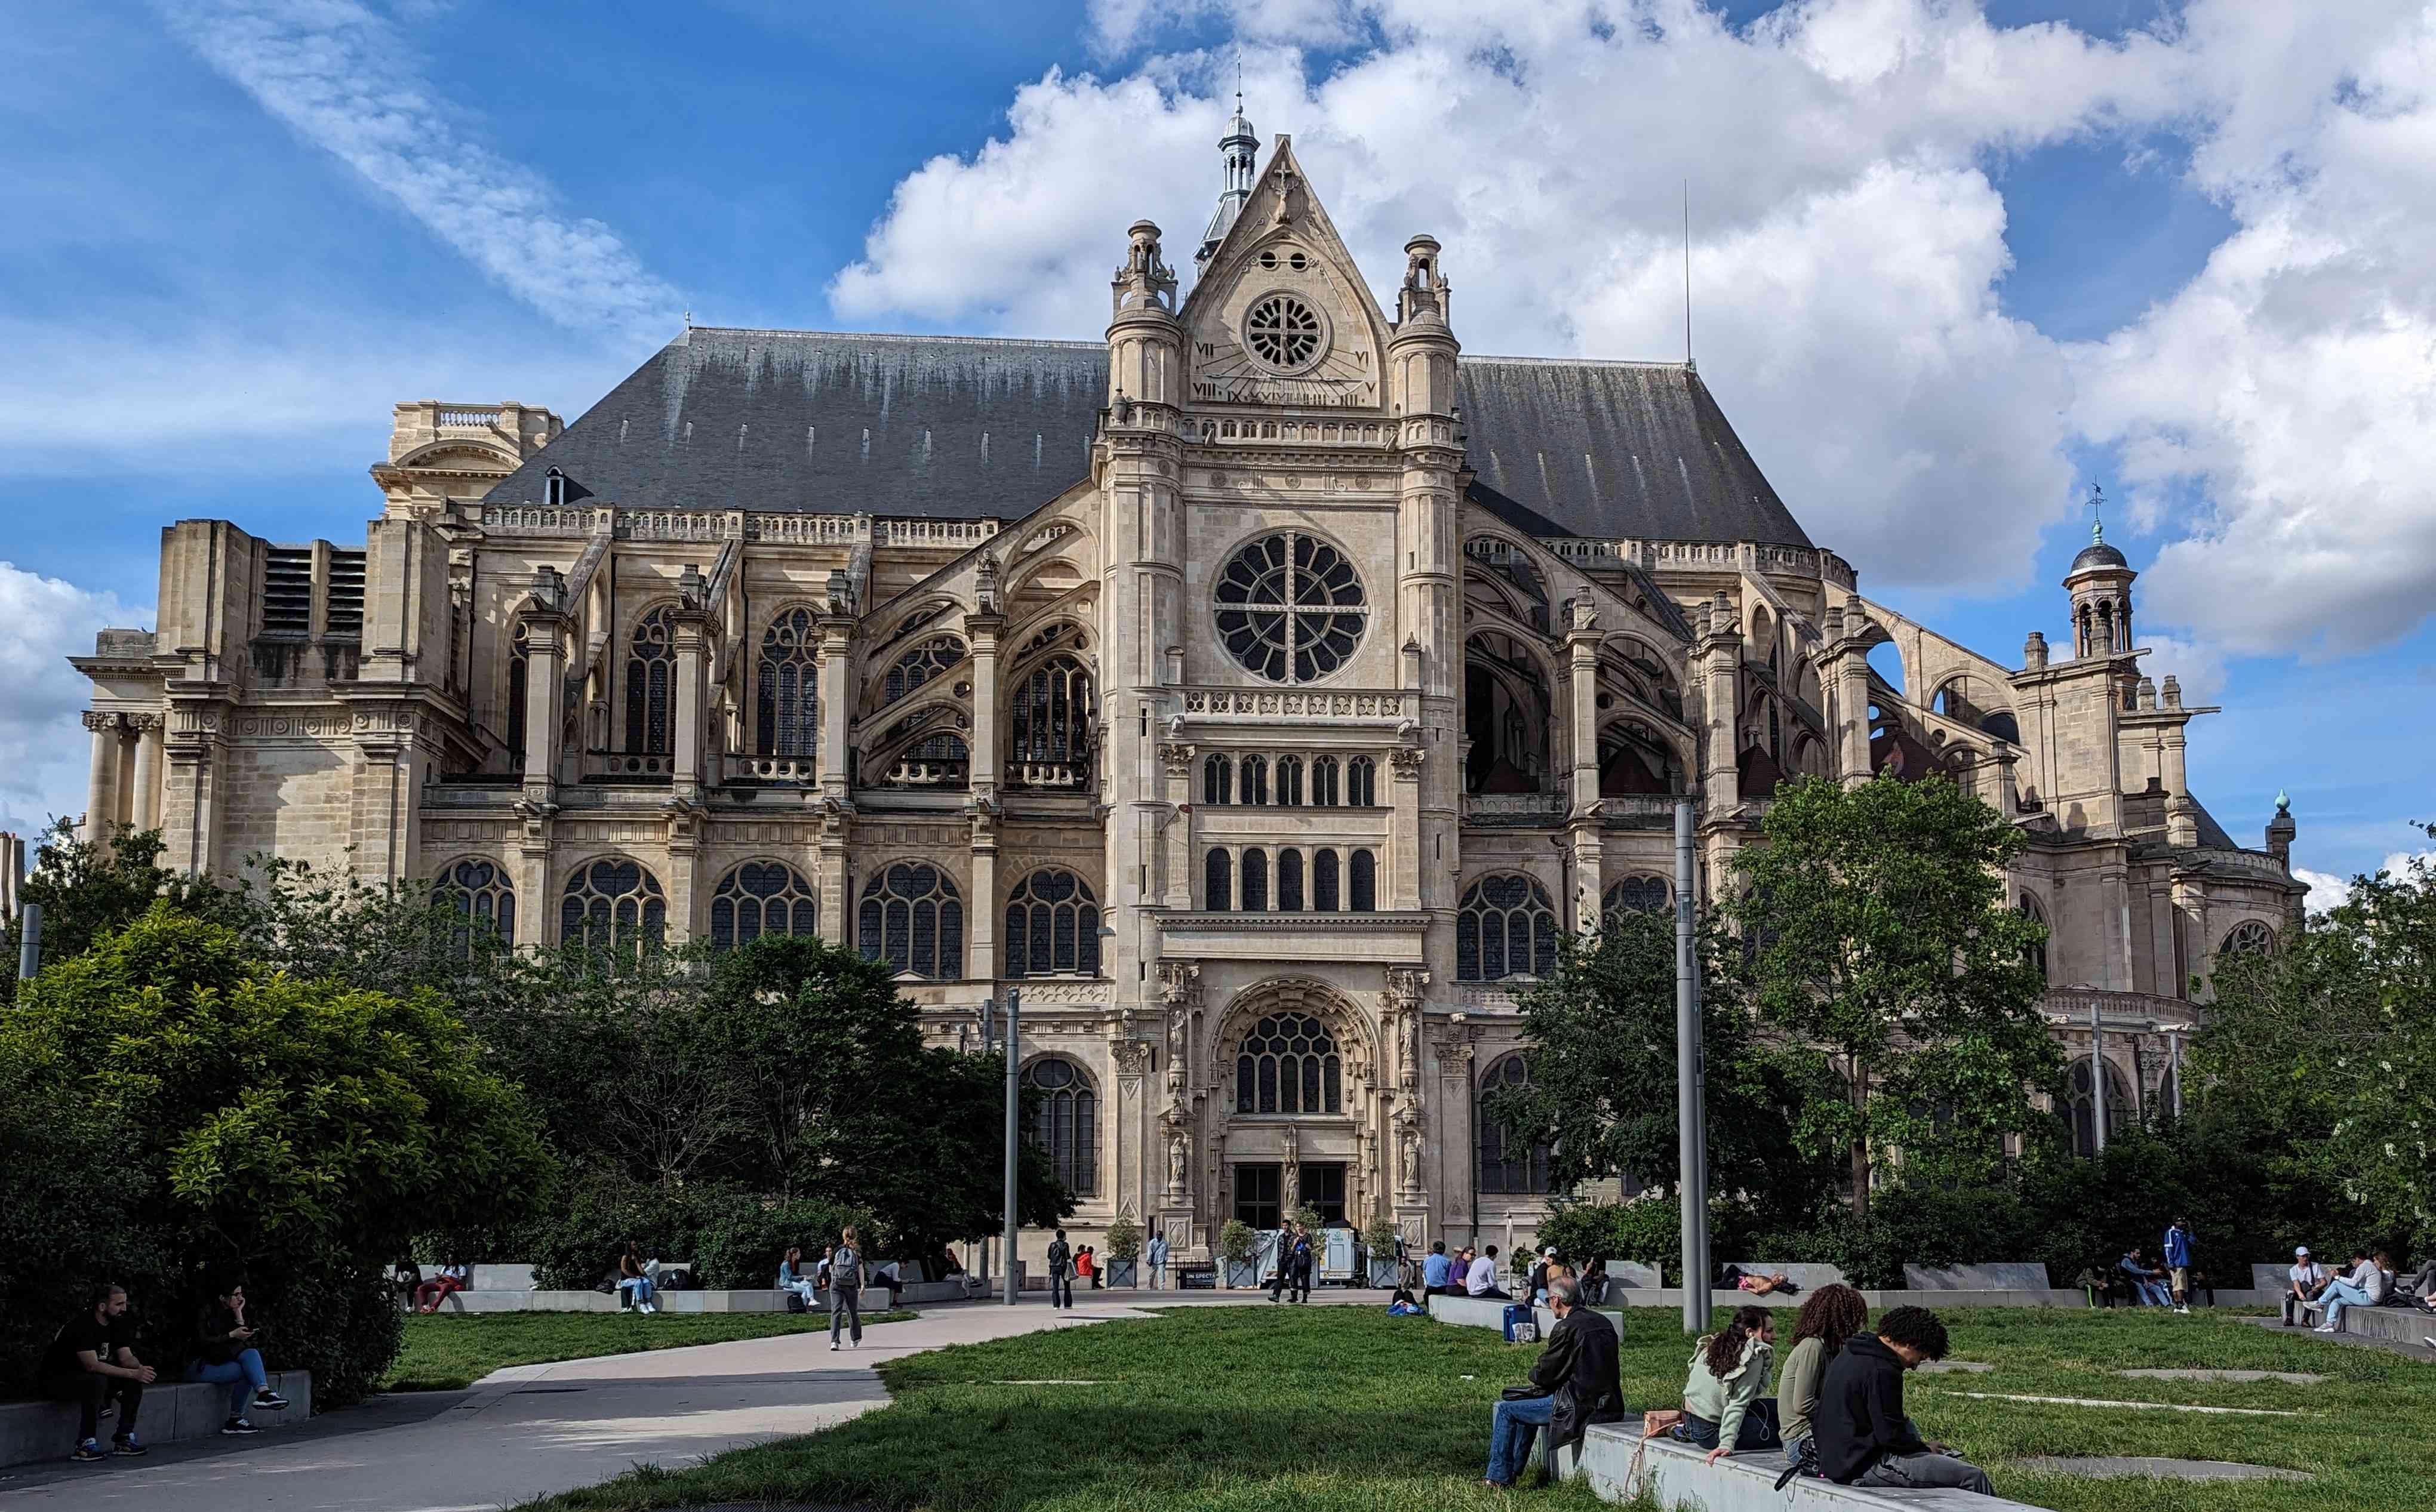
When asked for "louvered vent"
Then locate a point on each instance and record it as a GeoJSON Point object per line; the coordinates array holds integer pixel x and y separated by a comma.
{"type": "Point", "coordinates": [288, 591]}
{"type": "Point", "coordinates": [346, 621]}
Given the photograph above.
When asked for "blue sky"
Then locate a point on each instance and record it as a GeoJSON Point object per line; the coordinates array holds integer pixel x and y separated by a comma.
{"type": "Point", "coordinates": [1952, 266]}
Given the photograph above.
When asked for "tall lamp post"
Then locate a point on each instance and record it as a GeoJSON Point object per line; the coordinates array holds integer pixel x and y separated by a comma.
{"type": "Point", "coordinates": [1014, 1101]}
{"type": "Point", "coordinates": [1691, 1117]}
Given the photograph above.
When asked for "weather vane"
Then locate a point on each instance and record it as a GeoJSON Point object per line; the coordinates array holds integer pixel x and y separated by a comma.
{"type": "Point", "coordinates": [2097, 502]}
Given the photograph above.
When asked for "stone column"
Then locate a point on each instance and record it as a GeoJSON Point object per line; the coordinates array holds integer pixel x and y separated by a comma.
{"type": "Point", "coordinates": [1581, 650]}
{"type": "Point", "coordinates": [1720, 653]}
{"type": "Point", "coordinates": [691, 627]}
{"type": "Point", "coordinates": [987, 748]}
{"type": "Point", "coordinates": [190, 793]}
{"type": "Point", "coordinates": [147, 770]}
{"type": "Point", "coordinates": [101, 779]}
{"type": "Point", "coordinates": [2181, 814]}
{"type": "Point", "coordinates": [837, 704]}
{"type": "Point", "coordinates": [1406, 841]}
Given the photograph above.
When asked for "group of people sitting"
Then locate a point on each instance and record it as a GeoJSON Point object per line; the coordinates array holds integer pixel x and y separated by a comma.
{"type": "Point", "coordinates": [2161, 1286]}
{"type": "Point", "coordinates": [2368, 1281]}
{"type": "Point", "coordinates": [1838, 1409]}
{"type": "Point", "coordinates": [91, 1362]}
{"type": "Point", "coordinates": [1468, 1272]}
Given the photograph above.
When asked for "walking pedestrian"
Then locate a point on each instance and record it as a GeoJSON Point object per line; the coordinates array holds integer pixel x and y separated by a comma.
{"type": "Point", "coordinates": [845, 1287]}
{"type": "Point", "coordinates": [1061, 1281]}
{"type": "Point", "coordinates": [2178, 1263]}
{"type": "Point", "coordinates": [1157, 1257]}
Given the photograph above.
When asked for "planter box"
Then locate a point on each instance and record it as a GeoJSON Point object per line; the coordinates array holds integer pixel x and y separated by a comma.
{"type": "Point", "coordinates": [1242, 1273]}
{"type": "Point", "coordinates": [1124, 1273]}
{"type": "Point", "coordinates": [1383, 1274]}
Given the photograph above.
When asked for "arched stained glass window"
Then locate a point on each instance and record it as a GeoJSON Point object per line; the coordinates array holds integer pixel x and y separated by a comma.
{"type": "Point", "coordinates": [1326, 896]}
{"type": "Point", "coordinates": [1064, 1120]}
{"type": "Point", "coordinates": [651, 681]}
{"type": "Point", "coordinates": [2249, 937]}
{"type": "Point", "coordinates": [480, 894]}
{"type": "Point", "coordinates": [612, 904]}
{"type": "Point", "coordinates": [1290, 608]}
{"type": "Point", "coordinates": [786, 689]}
{"type": "Point", "coordinates": [2085, 1105]}
{"type": "Point", "coordinates": [1218, 882]}
{"type": "Point", "coordinates": [1256, 881]}
{"type": "Point", "coordinates": [1289, 1064]}
{"type": "Point", "coordinates": [1053, 926]}
{"type": "Point", "coordinates": [1365, 885]}
{"type": "Point", "coordinates": [913, 919]}
{"type": "Point", "coordinates": [920, 664]}
{"type": "Point", "coordinates": [1505, 1167]}
{"type": "Point", "coordinates": [2036, 955]}
{"type": "Point", "coordinates": [1217, 780]}
{"type": "Point", "coordinates": [1290, 782]}
{"type": "Point", "coordinates": [1252, 782]}
{"type": "Point", "coordinates": [762, 897]}
{"type": "Point", "coordinates": [1289, 882]}
{"type": "Point", "coordinates": [1323, 782]}
{"type": "Point", "coordinates": [1361, 783]}
{"type": "Point", "coordinates": [1050, 723]}
{"type": "Point", "coordinates": [1638, 895]}
{"type": "Point", "coordinates": [1505, 927]}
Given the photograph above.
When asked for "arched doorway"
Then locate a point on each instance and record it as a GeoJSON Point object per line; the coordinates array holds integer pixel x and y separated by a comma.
{"type": "Point", "coordinates": [1293, 1062]}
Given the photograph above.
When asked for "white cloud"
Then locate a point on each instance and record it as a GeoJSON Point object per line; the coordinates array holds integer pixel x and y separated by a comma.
{"type": "Point", "coordinates": [43, 750]}
{"type": "Point", "coordinates": [2291, 385]}
{"type": "Point", "coordinates": [343, 77]}
{"type": "Point", "coordinates": [1848, 245]}
{"type": "Point", "coordinates": [2325, 891]}
{"type": "Point", "coordinates": [1849, 254]}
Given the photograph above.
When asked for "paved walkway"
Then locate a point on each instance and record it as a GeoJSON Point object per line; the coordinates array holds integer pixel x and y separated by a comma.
{"type": "Point", "coordinates": [532, 1430]}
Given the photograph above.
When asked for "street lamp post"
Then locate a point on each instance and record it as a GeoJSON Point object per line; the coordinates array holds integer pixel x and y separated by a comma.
{"type": "Point", "coordinates": [1691, 1119]}
{"type": "Point", "coordinates": [1014, 1100]}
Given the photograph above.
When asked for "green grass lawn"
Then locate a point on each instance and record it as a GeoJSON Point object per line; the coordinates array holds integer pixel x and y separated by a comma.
{"type": "Point", "coordinates": [449, 1352]}
{"type": "Point", "coordinates": [1230, 1410]}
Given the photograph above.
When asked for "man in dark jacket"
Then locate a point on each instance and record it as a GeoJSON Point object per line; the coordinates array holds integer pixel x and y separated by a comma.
{"type": "Point", "coordinates": [1863, 1435]}
{"type": "Point", "coordinates": [1577, 1379]}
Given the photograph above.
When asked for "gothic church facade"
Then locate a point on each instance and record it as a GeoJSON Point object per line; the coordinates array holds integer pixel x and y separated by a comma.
{"type": "Point", "coordinates": [1263, 691]}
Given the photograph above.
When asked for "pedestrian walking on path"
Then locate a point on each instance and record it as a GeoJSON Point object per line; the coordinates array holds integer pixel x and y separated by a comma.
{"type": "Point", "coordinates": [845, 1287]}
{"type": "Point", "coordinates": [1061, 1281]}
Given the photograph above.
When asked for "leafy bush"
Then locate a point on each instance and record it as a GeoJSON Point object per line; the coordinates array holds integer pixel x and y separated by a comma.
{"type": "Point", "coordinates": [743, 1236]}
{"type": "Point", "coordinates": [1123, 1239]}
{"type": "Point", "coordinates": [232, 1122]}
{"type": "Point", "coordinates": [1235, 1241]}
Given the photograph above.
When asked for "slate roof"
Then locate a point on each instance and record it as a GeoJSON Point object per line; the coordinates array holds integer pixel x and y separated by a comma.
{"type": "Point", "coordinates": [966, 427]}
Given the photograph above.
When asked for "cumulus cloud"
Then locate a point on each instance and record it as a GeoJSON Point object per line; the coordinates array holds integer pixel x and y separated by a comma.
{"type": "Point", "coordinates": [1847, 251]}
{"type": "Point", "coordinates": [2327, 890]}
{"type": "Point", "coordinates": [342, 78]}
{"type": "Point", "coordinates": [1847, 244]}
{"type": "Point", "coordinates": [42, 748]}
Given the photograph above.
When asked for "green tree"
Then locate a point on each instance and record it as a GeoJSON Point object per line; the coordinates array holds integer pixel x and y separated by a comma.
{"type": "Point", "coordinates": [2331, 1039]}
{"type": "Point", "coordinates": [1600, 1039]}
{"type": "Point", "coordinates": [1878, 944]}
{"type": "Point", "coordinates": [297, 1133]}
{"type": "Point", "coordinates": [87, 890]}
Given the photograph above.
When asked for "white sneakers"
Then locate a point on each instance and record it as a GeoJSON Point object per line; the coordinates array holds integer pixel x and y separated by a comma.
{"type": "Point", "coordinates": [2324, 1327]}
{"type": "Point", "coordinates": [646, 1307]}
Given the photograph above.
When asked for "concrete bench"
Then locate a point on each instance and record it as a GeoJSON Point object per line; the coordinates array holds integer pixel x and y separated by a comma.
{"type": "Point", "coordinates": [751, 1300]}
{"type": "Point", "coordinates": [1620, 1465]}
{"type": "Point", "coordinates": [2393, 1325]}
{"type": "Point", "coordinates": [1483, 1312]}
{"type": "Point", "coordinates": [1626, 1275]}
{"type": "Point", "coordinates": [2003, 1275]}
{"type": "Point", "coordinates": [172, 1412]}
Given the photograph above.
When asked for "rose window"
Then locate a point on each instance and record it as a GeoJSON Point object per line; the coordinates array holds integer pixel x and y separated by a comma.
{"type": "Point", "coordinates": [1290, 607]}
{"type": "Point", "coordinates": [1283, 331]}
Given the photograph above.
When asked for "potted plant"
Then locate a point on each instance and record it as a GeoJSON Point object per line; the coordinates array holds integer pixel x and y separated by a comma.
{"type": "Point", "coordinates": [1236, 1246]}
{"type": "Point", "coordinates": [1380, 1238]}
{"type": "Point", "coordinates": [1122, 1243]}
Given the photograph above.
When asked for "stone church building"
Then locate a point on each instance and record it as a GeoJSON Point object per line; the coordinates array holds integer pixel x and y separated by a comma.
{"type": "Point", "coordinates": [1262, 690]}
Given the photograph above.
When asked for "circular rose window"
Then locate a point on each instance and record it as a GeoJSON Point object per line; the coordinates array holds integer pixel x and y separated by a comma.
{"type": "Point", "coordinates": [1284, 332]}
{"type": "Point", "coordinates": [1290, 608]}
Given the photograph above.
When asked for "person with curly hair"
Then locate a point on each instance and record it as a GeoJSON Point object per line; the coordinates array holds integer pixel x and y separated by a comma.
{"type": "Point", "coordinates": [1864, 1438]}
{"type": "Point", "coordinates": [1726, 1405]}
{"type": "Point", "coordinates": [1829, 1316]}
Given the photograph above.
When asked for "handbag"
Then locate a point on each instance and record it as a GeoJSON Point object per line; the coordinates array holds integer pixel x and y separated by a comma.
{"type": "Point", "coordinates": [1524, 1393]}
{"type": "Point", "coordinates": [1659, 1421]}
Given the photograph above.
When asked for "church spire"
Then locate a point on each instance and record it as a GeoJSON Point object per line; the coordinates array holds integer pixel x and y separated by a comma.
{"type": "Point", "coordinates": [1239, 146]}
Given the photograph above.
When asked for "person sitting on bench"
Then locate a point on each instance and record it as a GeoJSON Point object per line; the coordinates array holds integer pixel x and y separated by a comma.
{"type": "Point", "coordinates": [2148, 1282]}
{"type": "Point", "coordinates": [1726, 1404]}
{"type": "Point", "coordinates": [2363, 1287]}
{"type": "Point", "coordinates": [452, 1278]}
{"type": "Point", "coordinates": [90, 1363]}
{"type": "Point", "coordinates": [1864, 1437]}
{"type": "Point", "coordinates": [1480, 1283]}
{"type": "Point", "coordinates": [2302, 1283]}
{"type": "Point", "coordinates": [1573, 1384]}
{"type": "Point", "coordinates": [1436, 1272]}
{"type": "Point", "coordinates": [225, 1354]}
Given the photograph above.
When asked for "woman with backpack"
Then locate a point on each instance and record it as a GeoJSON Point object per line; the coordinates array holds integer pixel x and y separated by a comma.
{"type": "Point", "coordinates": [845, 1287]}
{"type": "Point", "coordinates": [1726, 1405]}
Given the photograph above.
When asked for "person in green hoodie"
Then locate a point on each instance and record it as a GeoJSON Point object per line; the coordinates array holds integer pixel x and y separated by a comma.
{"type": "Point", "coordinates": [1726, 1404]}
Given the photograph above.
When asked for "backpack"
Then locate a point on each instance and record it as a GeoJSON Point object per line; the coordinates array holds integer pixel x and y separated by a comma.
{"type": "Point", "coordinates": [1058, 1257]}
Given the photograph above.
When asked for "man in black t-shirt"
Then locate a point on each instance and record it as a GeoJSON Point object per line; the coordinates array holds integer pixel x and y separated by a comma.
{"type": "Point", "coordinates": [90, 1363]}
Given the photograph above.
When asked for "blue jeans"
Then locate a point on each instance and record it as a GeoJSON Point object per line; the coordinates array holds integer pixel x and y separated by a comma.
{"type": "Point", "coordinates": [1758, 1430]}
{"type": "Point", "coordinates": [243, 1374]}
{"type": "Point", "coordinates": [1793, 1450]}
{"type": "Point", "coordinates": [637, 1289]}
{"type": "Point", "coordinates": [2151, 1294]}
{"type": "Point", "coordinates": [1158, 1275]}
{"type": "Point", "coordinates": [2338, 1296]}
{"type": "Point", "coordinates": [1510, 1433]}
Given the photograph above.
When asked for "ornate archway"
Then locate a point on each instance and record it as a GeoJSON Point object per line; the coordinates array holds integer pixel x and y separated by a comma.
{"type": "Point", "coordinates": [1290, 1074]}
